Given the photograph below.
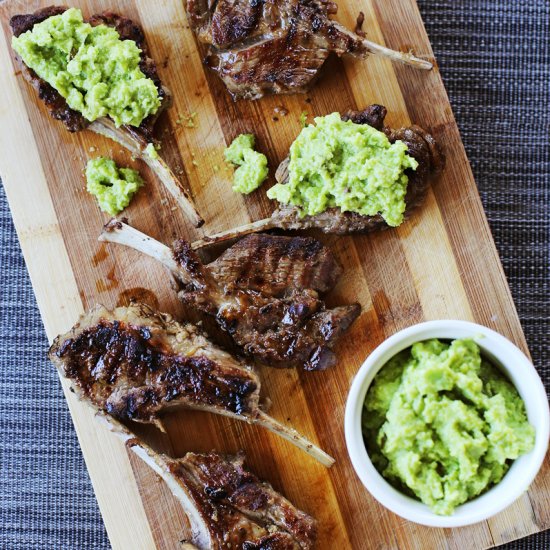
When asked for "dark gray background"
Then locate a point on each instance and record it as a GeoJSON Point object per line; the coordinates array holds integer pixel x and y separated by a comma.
{"type": "Point", "coordinates": [494, 57]}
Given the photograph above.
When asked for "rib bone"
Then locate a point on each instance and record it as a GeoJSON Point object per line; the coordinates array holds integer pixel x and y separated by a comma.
{"type": "Point", "coordinates": [227, 506]}
{"type": "Point", "coordinates": [382, 51]}
{"type": "Point", "coordinates": [106, 127]}
{"type": "Point", "coordinates": [236, 232]}
{"type": "Point", "coordinates": [119, 232]}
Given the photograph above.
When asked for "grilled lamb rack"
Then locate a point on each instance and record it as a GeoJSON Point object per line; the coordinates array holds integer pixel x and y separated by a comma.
{"type": "Point", "coordinates": [135, 364]}
{"type": "Point", "coordinates": [421, 146]}
{"type": "Point", "coordinates": [264, 291]}
{"type": "Point", "coordinates": [135, 139]}
{"type": "Point", "coordinates": [277, 46]}
{"type": "Point", "coordinates": [227, 506]}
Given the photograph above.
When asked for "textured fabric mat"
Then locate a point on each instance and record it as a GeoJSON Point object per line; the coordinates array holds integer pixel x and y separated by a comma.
{"type": "Point", "coordinates": [494, 57]}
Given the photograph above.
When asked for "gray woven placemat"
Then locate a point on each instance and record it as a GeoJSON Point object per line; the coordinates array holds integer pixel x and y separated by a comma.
{"type": "Point", "coordinates": [495, 61]}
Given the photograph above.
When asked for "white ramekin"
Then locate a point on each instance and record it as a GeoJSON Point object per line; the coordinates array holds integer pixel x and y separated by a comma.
{"type": "Point", "coordinates": [503, 354]}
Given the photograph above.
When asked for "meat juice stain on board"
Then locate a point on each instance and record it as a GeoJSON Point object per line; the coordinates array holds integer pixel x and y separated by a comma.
{"type": "Point", "coordinates": [112, 282]}
{"type": "Point", "coordinates": [101, 255]}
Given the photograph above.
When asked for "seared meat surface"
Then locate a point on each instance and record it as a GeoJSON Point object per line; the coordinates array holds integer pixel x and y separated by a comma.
{"type": "Point", "coordinates": [264, 291]}
{"type": "Point", "coordinates": [294, 330]}
{"type": "Point", "coordinates": [228, 507]}
{"type": "Point", "coordinates": [273, 265]}
{"type": "Point", "coordinates": [133, 363]}
{"type": "Point", "coordinates": [55, 103]}
{"type": "Point", "coordinates": [275, 46]}
{"type": "Point", "coordinates": [241, 511]}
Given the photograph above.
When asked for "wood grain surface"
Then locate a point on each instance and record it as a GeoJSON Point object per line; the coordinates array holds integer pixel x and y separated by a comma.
{"type": "Point", "coordinates": [440, 264]}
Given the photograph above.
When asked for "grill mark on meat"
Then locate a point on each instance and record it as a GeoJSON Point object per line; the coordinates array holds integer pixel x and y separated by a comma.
{"type": "Point", "coordinates": [284, 327]}
{"type": "Point", "coordinates": [135, 364]}
{"type": "Point", "coordinates": [272, 265]}
{"type": "Point", "coordinates": [225, 481]}
{"type": "Point", "coordinates": [292, 330]}
{"type": "Point", "coordinates": [233, 21]}
{"type": "Point", "coordinates": [262, 46]}
{"type": "Point", "coordinates": [121, 369]}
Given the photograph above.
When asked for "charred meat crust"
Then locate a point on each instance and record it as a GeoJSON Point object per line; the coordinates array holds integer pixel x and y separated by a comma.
{"type": "Point", "coordinates": [133, 363]}
{"type": "Point", "coordinates": [421, 146]}
{"type": "Point", "coordinates": [228, 492]}
{"type": "Point", "coordinates": [373, 115]}
{"type": "Point", "coordinates": [228, 506]}
{"type": "Point", "coordinates": [263, 46]}
{"type": "Point", "coordinates": [288, 326]}
{"type": "Point", "coordinates": [231, 25]}
{"type": "Point", "coordinates": [129, 369]}
{"type": "Point", "coordinates": [272, 265]}
{"type": "Point", "coordinates": [25, 22]}
{"type": "Point", "coordinates": [56, 104]}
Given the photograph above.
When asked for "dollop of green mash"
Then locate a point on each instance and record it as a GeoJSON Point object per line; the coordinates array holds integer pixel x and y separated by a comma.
{"type": "Point", "coordinates": [336, 163]}
{"type": "Point", "coordinates": [95, 71]}
{"type": "Point", "coordinates": [443, 424]}
{"type": "Point", "coordinates": [252, 166]}
{"type": "Point", "coordinates": [113, 186]}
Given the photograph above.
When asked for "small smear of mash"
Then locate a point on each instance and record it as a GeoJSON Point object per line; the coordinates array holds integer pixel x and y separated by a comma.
{"type": "Point", "coordinates": [95, 71]}
{"type": "Point", "coordinates": [336, 163]}
{"type": "Point", "coordinates": [252, 166]}
{"type": "Point", "coordinates": [112, 186]}
{"type": "Point", "coordinates": [151, 151]}
{"type": "Point", "coordinates": [442, 424]}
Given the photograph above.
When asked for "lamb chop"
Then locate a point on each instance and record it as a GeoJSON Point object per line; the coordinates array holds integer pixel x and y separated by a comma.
{"type": "Point", "coordinates": [227, 506]}
{"type": "Point", "coordinates": [135, 139]}
{"type": "Point", "coordinates": [268, 46]}
{"type": "Point", "coordinates": [264, 291]}
{"type": "Point", "coordinates": [421, 145]}
{"type": "Point", "coordinates": [135, 364]}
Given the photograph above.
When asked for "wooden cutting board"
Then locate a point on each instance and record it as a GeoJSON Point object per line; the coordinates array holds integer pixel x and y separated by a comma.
{"type": "Point", "coordinates": [440, 264]}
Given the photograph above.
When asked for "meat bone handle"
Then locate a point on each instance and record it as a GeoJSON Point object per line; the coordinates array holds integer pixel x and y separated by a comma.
{"type": "Point", "coordinates": [281, 175]}
{"type": "Point", "coordinates": [401, 57]}
{"type": "Point", "coordinates": [163, 466]}
{"type": "Point", "coordinates": [106, 127]}
{"type": "Point", "coordinates": [119, 232]}
{"type": "Point", "coordinates": [240, 231]}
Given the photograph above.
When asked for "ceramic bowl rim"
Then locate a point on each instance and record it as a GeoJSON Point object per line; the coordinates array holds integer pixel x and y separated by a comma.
{"type": "Point", "coordinates": [513, 362]}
